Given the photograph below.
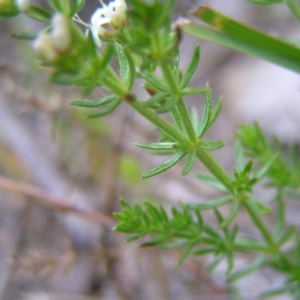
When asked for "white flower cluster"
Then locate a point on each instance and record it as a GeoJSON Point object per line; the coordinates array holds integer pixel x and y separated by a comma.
{"type": "Point", "coordinates": [113, 14]}
{"type": "Point", "coordinates": [49, 46]}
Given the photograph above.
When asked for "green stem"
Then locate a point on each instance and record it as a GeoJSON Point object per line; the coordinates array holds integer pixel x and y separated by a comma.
{"type": "Point", "coordinates": [260, 225]}
{"type": "Point", "coordinates": [159, 122]}
{"type": "Point", "coordinates": [294, 8]}
{"type": "Point", "coordinates": [186, 120]}
{"type": "Point", "coordinates": [210, 163]}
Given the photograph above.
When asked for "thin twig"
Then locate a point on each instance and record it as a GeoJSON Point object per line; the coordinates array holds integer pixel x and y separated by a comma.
{"type": "Point", "coordinates": [46, 199]}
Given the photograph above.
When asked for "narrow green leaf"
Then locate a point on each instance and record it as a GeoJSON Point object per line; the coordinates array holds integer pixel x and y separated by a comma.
{"type": "Point", "coordinates": [154, 212]}
{"type": "Point", "coordinates": [25, 36]}
{"type": "Point", "coordinates": [249, 269]}
{"type": "Point", "coordinates": [156, 146]}
{"type": "Point", "coordinates": [206, 115]}
{"type": "Point", "coordinates": [177, 119]}
{"type": "Point", "coordinates": [193, 91]}
{"type": "Point", "coordinates": [39, 14]}
{"type": "Point", "coordinates": [265, 2]}
{"type": "Point", "coordinates": [76, 6]}
{"type": "Point", "coordinates": [287, 235]}
{"type": "Point", "coordinates": [212, 181]}
{"type": "Point", "coordinates": [56, 5]}
{"type": "Point", "coordinates": [216, 112]}
{"type": "Point", "coordinates": [239, 157]}
{"type": "Point", "coordinates": [126, 69]}
{"type": "Point", "coordinates": [264, 170]}
{"type": "Point", "coordinates": [210, 204]}
{"type": "Point", "coordinates": [125, 204]}
{"type": "Point", "coordinates": [230, 262]}
{"type": "Point", "coordinates": [191, 68]}
{"type": "Point", "coordinates": [258, 207]}
{"type": "Point", "coordinates": [189, 162]}
{"type": "Point", "coordinates": [155, 241]}
{"type": "Point", "coordinates": [155, 99]}
{"type": "Point", "coordinates": [232, 34]}
{"type": "Point", "coordinates": [204, 251]}
{"type": "Point", "coordinates": [214, 263]}
{"type": "Point", "coordinates": [108, 109]}
{"type": "Point", "coordinates": [94, 103]}
{"type": "Point", "coordinates": [185, 253]}
{"type": "Point", "coordinates": [165, 166]}
{"type": "Point", "coordinates": [173, 245]}
{"type": "Point", "coordinates": [154, 81]}
{"type": "Point", "coordinates": [247, 244]}
{"type": "Point", "coordinates": [132, 238]}
{"type": "Point", "coordinates": [211, 145]}
{"type": "Point", "coordinates": [233, 212]}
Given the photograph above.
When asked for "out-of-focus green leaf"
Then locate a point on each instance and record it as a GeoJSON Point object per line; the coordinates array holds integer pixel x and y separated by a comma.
{"type": "Point", "coordinates": [39, 14]}
{"type": "Point", "coordinates": [258, 207]}
{"type": "Point", "coordinates": [210, 204]}
{"type": "Point", "coordinates": [232, 34]}
{"type": "Point", "coordinates": [94, 103]}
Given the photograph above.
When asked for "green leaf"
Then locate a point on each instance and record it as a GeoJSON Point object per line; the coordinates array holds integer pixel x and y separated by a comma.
{"type": "Point", "coordinates": [204, 251]}
{"type": "Point", "coordinates": [108, 109]}
{"type": "Point", "coordinates": [217, 259]}
{"type": "Point", "coordinates": [132, 238]}
{"type": "Point", "coordinates": [156, 98]}
{"type": "Point", "coordinates": [230, 261]}
{"type": "Point", "coordinates": [56, 5]}
{"type": "Point", "coordinates": [25, 36]}
{"type": "Point", "coordinates": [154, 81]}
{"type": "Point", "coordinates": [191, 68]}
{"type": "Point", "coordinates": [212, 181]}
{"type": "Point", "coordinates": [173, 244]}
{"type": "Point", "coordinates": [232, 34]}
{"type": "Point", "coordinates": [211, 145]}
{"type": "Point", "coordinates": [127, 70]}
{"type": "Point", "coordinates": [287, 235]}
{"type": "Point", "coordinates": [258, 207]}
{"type": "Point", "coordinates": [239, 157]}
{"type": "Point", "coordinates": [76, 6]}
{"type": "Point", "coordinates": [165, 166]}
{"type": "Point", "coordinates": [94, 103]}
{"type": "Point", "coordinates": [233, 212]}
{"type": "Point", "coordinates": [249, 269]}
{"type": "Point", "coordinates": [210, 204]}
{"type": "Point", "coordinates": [155, 241]}
{"type": "Point", "coordinates": [193, 91]}
{"type": "Point", "coordinates": [185, 253]}
{"type": "Point", "coordinates": [206, 115]}
{"type": "Point", "coordinates": [264, 170]}
{"type": "Point", "coordinates": [156, 146]}
{"type": "Point", "coordinates": [265, 2]}
{"type": "Point", "coordinates": [216, 112]}
{"type": "Point", "coordinates": [39, 14]}
{"type": "Point", "coordinates": [189, 162]}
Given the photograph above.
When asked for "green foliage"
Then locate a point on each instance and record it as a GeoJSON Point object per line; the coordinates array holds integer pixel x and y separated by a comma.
{"type": "Point", "coordinates": [143, 44]}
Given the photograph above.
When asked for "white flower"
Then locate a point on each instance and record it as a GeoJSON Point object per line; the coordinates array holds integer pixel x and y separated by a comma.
{"type": "Point", "coordinates": [113, 14]}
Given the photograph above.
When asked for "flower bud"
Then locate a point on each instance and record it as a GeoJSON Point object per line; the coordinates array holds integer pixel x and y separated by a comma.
{"type": "Point", "coordinates": [23, 5]}
{"type": "Point", "coordinates": [61, 33]}
{"type": "Point", "coordinates": [43, 46]}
